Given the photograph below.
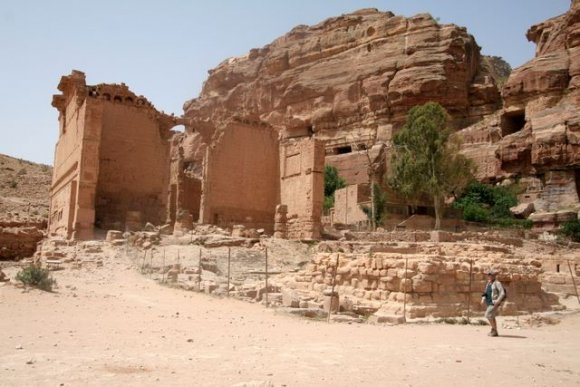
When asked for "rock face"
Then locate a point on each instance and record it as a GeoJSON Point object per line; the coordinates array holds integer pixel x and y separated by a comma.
{"type": "Point", "coordinates": [358, 71]}
{"type": "Point", "coordinates": [536, 136]}
{"type": "Point", "coordinates": [17, 243]}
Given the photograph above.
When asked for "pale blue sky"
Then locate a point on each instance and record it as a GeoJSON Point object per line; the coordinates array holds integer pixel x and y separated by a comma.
{"type": "Point", "coordinates": [163, 49]}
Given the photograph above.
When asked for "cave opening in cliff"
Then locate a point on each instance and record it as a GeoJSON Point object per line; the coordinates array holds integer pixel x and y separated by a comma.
{"type": "Point", "coordinates": [341, 150]}
{"type": "Point", "coordinates": [511, 123]}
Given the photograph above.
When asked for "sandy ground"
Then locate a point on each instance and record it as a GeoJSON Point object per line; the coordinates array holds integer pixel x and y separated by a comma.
{"type": "Point", "coordinates": [112, 326]}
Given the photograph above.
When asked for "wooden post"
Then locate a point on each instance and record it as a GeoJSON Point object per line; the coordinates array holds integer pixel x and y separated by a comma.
{"type": "Point", "coordinates": [573, 281]}
{"type": "Point", "coordinates": [266, 294]}
{"type": "Point", "coordinates": [405, 292]}
{"type": "Point", "coordinates": [143, 263]}
{"type": "Point", "coordinates": [469, 293]}
{"type": "Point", "coordinates": [229, 260]}
{"type": "Point", "coordinates": [163, 269]}
{"type": "Point", "coordinates": [332, 289]}
{"type": "Point", "coordinates": [199, 271]}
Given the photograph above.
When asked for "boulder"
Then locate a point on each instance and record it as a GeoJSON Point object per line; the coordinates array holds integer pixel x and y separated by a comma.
{"type": "Point", "coordinates": [522, 210]}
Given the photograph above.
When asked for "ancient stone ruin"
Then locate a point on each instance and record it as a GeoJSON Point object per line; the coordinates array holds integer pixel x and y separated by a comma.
{"type": "Point", "coordinates": [264, 125]}
{"type": "Point", "coordinates": [250, 163]}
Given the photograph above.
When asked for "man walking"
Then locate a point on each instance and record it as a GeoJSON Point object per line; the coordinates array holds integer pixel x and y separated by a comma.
{"type": "Point", "coordinates": [493, 295]}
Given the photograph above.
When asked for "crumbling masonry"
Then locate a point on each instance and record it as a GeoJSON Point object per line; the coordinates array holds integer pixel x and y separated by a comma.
{"type": "Point", "coordinates": [118, 165]}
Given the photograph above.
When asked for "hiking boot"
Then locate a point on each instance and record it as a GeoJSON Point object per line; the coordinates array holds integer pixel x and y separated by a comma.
{"type": "Point", "coordinates": [493, 333]}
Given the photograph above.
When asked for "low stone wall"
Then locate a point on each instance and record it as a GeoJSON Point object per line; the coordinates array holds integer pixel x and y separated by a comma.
{"type": "Point", "coordinates": [515, 238]}
{"type": "Point", "coordinates": [18, 242]}
{"type": "Point", "coordinates": [433, 285]}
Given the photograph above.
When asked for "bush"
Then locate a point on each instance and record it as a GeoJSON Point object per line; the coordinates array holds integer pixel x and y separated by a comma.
{"type": "Point", "coordinates": [37, 277]}
{"type": "Point", "coordinates": [490, 204]}
{"type": "Point", "coordinates": [332, 182]}
{"type": "Point", "coordinates": [474, 212]}
{"type": "Point", "coordinates": [571, 229]}
{"type": "Point", "coordinates": [13, 184]}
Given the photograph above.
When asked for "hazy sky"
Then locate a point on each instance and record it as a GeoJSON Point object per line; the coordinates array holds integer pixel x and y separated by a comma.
{"type": "Point", "coordinates": [163, 49]}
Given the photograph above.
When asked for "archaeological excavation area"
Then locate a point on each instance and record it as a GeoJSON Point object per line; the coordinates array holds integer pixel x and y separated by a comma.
{"type": "Point", "coordinates": [209, 230]}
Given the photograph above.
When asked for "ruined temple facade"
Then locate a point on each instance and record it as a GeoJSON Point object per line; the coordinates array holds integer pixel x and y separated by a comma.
{"type": "Point", "coordinates": [118, 165]}
{"type": "Point", "coordinates": [109, 159]}
{"type": "Point", "coordinates": [257, 137]}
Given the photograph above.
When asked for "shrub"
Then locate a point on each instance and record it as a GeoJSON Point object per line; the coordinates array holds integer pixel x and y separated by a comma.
{"type": "Point", "coordinates": [571, 229]}
{"type": "Point", "coordinates": [13, 184]}
{"type": "Point", "coordinates": [332, 182]}
{"type": "Point", "coordinates": [37, 277]}
{"type": "Point", "coordinates": [490, 204]}
{"type": "Point", "coordinates": [474, 212]}
{"type": "Point", "coordinates": [22, 172]}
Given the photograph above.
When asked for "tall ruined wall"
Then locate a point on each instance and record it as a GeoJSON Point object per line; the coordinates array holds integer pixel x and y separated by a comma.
{"type": "Point", "coordinates": [354, 74]}
{"type": "Point", "coordinates": [241, 177]}
{"type": "Point", "coordinates": [133, 166]}
{"type": "Point", "coordinates": [111, 158]}
{"type": "Point", "coordinates": [71, 211]}
{"type": "Point", "coordinates": [302, 186]}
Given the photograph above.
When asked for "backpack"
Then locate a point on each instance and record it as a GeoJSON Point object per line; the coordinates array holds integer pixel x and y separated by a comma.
{"type": "Point", "coordinates": [505, 294]}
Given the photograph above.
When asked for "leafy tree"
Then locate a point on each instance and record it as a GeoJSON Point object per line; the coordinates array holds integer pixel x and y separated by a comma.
{"type": "Point", "coordinates": [426, 162]}
{"type": "Point", "coordinates": [571, 229]}
{"type": "Point", "coordinates": [380, 200]}
{"type": "Point", "coordinates": [332, 182]}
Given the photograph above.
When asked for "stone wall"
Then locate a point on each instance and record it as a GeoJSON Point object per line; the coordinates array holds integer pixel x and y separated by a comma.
{"type": "Point", "coordinates": [111, 158]}
{"type": "Point", "coordinates": [133, 167]}
{"type": "Point", "coordinates": [18, 242]}
{"type": "Point", "coordinates": [302, 186]}
{"type": "Point", "coordinates": [241, 177]}
{"type": "Point", "coordinates": [348, 202]}
{"type": "Point", "coordinates": [436, 285]}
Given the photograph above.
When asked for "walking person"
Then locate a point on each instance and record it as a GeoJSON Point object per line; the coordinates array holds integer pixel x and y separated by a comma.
{"type": "Point", "coordinates": [493, 296]}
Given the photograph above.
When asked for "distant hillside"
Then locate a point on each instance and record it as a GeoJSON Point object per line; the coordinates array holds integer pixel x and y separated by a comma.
{"type": "Point", "coordinates": [24, 189]}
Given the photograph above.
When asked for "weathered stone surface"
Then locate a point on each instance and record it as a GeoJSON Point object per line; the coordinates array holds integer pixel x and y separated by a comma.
{"type": "Point", "coordinates": [18, 242]}
{"type": "Point", "coordinates": [537, 134]}
{"type": "Point", "coordinates": [522, 210]}
{"type": "Point", "coordinates": [363, 70]}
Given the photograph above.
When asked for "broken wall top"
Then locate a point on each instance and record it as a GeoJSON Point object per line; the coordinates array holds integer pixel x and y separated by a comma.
{"type": "Point", "coordinates": [74, 86]}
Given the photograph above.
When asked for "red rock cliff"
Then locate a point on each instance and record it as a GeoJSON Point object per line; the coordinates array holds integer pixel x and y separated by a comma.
{"type": "Point", "coordinates": [360, 71]}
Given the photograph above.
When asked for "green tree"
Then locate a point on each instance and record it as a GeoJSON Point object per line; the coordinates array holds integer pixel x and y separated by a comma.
{"type": "Point", "coordinates": [332, 182]}
{"type": "Point", "coordinates": [378, 211]}
{"type": "Point", "coordinates": [426, 162]}
{"type": "Point", "coordinates": [571, 229]}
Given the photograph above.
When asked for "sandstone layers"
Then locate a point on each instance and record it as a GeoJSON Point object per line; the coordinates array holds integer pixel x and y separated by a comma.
{"type": "Point", "coordinates": [360, 71]}
{"type": "Point", "coordinates": [536, 136]}
{"type": "Point", "coordinates": [350, 81]}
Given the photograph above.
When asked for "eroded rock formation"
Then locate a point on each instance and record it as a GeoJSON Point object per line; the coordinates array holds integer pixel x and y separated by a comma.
{"type": "Point", "coordinates": [536, 136]}
{"type": "Point", "coordinates": [356, 74]}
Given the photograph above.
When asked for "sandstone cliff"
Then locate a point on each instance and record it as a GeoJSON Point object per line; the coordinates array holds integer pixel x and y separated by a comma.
{"type": "Point", "coordinates": [360, 71]}
{"type": "Point", "coordinates": [350, 80]}
{"type": "Point", "coordinates": [536, 136]}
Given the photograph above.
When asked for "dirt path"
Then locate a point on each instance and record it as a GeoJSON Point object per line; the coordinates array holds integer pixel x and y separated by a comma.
{"type": "Point", "coordinates": [111, 326]}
